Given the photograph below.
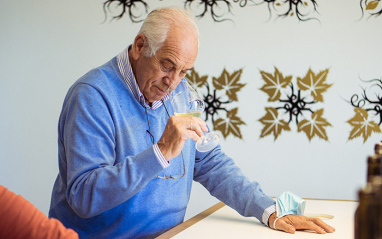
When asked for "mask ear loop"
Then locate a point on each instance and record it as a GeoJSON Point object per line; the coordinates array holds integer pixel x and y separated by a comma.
{"type": "Point", "coordinates": [274, 223]}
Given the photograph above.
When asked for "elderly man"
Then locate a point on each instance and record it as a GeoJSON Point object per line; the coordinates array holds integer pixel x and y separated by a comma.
{"type": "Point", "coordinates": [126, 164]}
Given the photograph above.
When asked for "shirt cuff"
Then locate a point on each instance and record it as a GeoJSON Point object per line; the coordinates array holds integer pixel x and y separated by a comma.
{"type": "Point", "coordinates": [267, 213]}
{"type": "Point", "coordinates": [162, 160]}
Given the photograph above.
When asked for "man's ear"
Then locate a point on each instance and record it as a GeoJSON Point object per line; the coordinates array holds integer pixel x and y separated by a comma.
{"type": "Point", "coordinates": [138, 46]}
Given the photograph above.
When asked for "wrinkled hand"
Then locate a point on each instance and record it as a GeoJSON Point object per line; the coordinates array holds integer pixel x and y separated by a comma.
{"type": "Point", "coordinates": [291, 223]}
{"type": "Point", "coordinates": [177, 131]}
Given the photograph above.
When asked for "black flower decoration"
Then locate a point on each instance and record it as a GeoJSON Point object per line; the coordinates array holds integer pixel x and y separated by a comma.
{"type": "Point", "coordinates": [128, 6]}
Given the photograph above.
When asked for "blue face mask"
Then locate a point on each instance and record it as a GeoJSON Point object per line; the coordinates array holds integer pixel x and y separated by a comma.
{"type": "Point", "coordinates": [289, 203]}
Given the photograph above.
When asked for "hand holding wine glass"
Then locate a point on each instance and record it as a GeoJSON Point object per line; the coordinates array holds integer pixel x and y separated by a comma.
{"type": "Point", "coordinates": [186, 102]}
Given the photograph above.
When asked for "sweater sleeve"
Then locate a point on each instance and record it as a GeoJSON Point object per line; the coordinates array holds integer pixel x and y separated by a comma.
{"type": "Point", "coordinates": [224, 180]}
{"type": "Point", "coordinates": [20, 219]}
{"type": "Point", "coordinates": [95, 181]}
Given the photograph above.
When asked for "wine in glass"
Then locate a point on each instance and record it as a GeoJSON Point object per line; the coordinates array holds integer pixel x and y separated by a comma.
{"type": "Point", "coordinates": [186, 102]}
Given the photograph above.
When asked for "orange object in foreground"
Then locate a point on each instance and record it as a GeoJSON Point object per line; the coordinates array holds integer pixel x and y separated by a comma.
{"type": "Point", "coordinates": [21, 219]}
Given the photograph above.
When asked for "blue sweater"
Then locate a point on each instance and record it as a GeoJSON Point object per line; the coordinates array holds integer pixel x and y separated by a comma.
{"type": "Point", "coordinates": [107, 185]}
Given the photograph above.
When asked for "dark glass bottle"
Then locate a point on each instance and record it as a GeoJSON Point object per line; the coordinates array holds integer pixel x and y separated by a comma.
{"type": "Point", "coordinates": [376, 182]}
{"type": "Point", "coordinates": [378, 148]}
{"type": "Point", "coordinates": [373, 166]}
{"type": "Point", "coordinates": [365, 213]}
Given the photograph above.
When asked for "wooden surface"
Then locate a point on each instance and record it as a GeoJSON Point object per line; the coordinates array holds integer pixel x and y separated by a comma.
{"type": "Point", "coordinates": [191, 221]}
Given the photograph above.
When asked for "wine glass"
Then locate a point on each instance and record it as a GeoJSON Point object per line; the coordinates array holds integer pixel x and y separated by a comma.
{"type": "Point", "coordinates": [186, 102]}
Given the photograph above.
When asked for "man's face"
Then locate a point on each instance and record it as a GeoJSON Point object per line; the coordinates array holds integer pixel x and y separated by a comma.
{"type": "Point", "coordinates": [160, 74]}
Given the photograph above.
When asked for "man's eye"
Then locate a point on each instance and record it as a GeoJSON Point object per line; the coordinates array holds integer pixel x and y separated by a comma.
{"type": "Point", "coordinates": [166, 68]}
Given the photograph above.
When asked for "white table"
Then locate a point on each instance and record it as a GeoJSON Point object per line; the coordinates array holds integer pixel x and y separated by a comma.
{"type": "Point", "coordinates": [220, 221]}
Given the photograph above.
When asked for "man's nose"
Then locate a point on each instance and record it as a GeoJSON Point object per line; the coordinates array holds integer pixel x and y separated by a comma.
{"type": "Point", "coordinates": [172, 79]}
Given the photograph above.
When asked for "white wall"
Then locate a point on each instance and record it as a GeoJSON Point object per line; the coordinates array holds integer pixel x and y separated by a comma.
{"type": "Point", "coordinates": [46, 45]}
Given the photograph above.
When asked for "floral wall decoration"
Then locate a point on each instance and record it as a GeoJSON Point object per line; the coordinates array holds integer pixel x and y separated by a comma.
{"type": "Point", "coordinates": [218, 9]}
{"type": "Point", "coordinates": [295, 102]}
{"type": "Point", "coordinates": [219, 98]}
{"type": "Point", "coordinates": [137, 9]}
{"type": "Point", "coordinates": [302, 9]}
{"type": "Point", "coordinates": [372, 7]}
{"type": "Point", "coordinates": [367, 106]}
{"type": "Point", "coordinates": [283, 8]}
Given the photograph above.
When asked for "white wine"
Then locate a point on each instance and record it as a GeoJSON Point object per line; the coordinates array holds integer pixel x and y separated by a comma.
{"type": "Point", "coordinates": [191, 113]}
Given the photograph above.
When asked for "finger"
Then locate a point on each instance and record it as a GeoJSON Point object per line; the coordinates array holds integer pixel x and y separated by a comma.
{"type": "Point", "coordinates": [192, 134]}
{"type": "Point", "coordinates": [201, 123]}
{"type": "Point", "coordinates": [196, 121]}
{"type": "Point", "coordinates": [310, 225]}
{"type": "Point", "coordinates": [323, 225]}
{"type": "Point", "coordinates": [197, 125]}
{"type": "Point", "coordinates": [299, 222]}
{"type": "Point", "coordinates": [282, 225]}
{"type": "Point", "coordinates": [306, 223]}
{"type": "Point", "coordinates": [192, 129]}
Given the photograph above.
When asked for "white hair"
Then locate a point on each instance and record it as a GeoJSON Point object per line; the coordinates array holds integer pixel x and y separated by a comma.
{"type": "Point", "coordinates": [159, 22]}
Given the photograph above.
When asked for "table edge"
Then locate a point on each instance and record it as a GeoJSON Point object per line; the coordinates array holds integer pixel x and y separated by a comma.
{"type": "Point", "coordinates": [181, 227]}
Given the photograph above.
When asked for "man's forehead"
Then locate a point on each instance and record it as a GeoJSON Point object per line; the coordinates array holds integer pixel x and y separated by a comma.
{"type": "Point", "coordinates": [181, 51]}
{"type": "Point", "coordinates": [189, 66]}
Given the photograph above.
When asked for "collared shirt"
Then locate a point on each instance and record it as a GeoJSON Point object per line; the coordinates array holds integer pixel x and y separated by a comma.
{"type": "Point", "coordinates": [129, 79]}
{"type": "Point", "coordinates": [267, 213]}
